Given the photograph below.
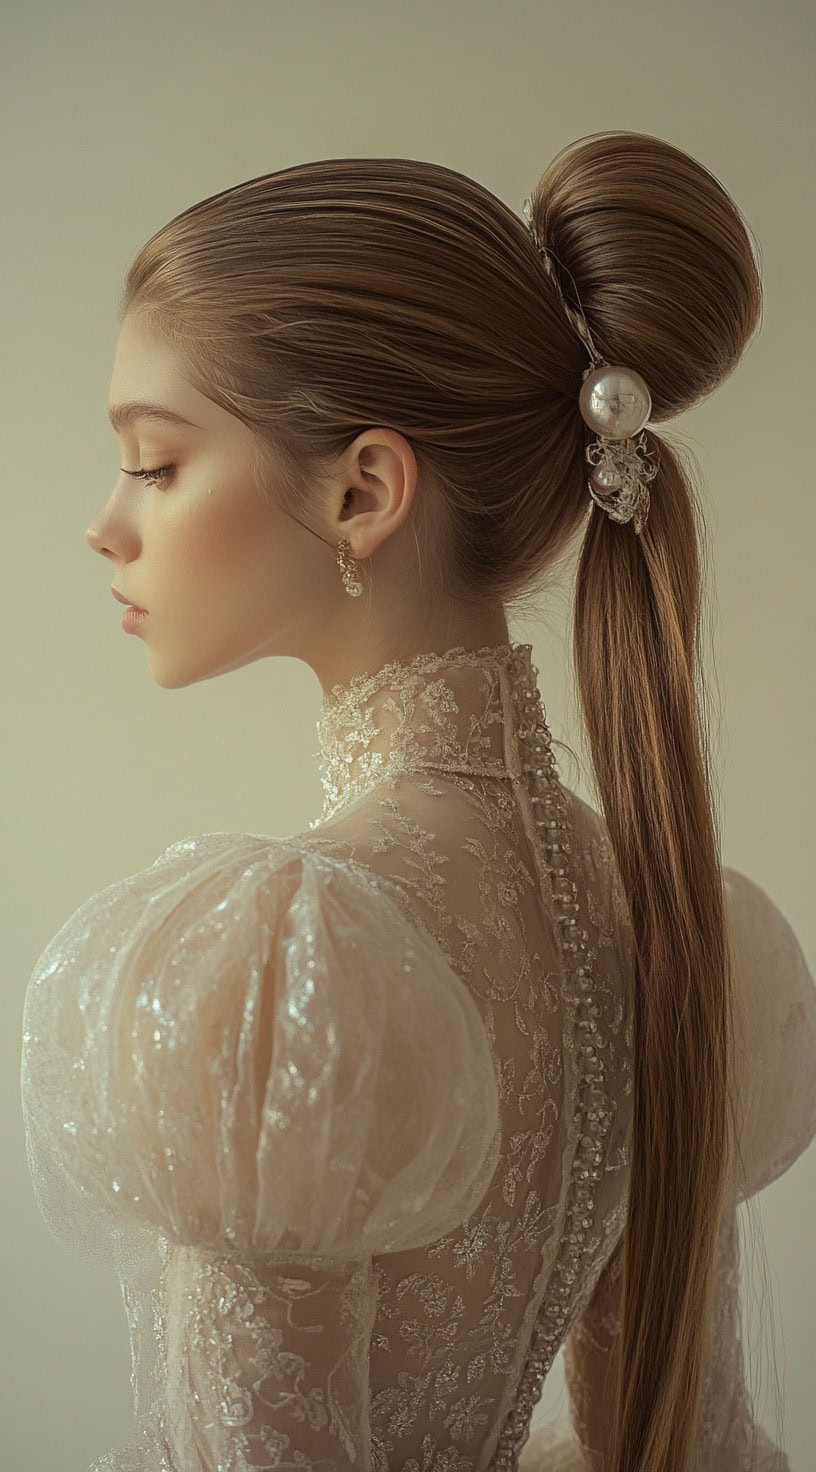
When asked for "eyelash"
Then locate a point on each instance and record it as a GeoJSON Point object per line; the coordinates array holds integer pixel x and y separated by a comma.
{"type": "Point", "coordinates": [151, 477]}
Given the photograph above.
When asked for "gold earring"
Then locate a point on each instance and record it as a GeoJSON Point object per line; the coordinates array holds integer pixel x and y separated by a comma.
{"type": "Point", "coordinates": [345, 562]}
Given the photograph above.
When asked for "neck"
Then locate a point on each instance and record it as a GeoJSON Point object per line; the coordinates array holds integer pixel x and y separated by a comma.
{"type": "Point", "coordinates": [444, 710]}
{"type": "Point", "coordinates": [376, 644]}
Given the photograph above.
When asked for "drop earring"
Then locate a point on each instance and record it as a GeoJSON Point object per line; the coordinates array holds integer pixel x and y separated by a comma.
{"type": "Point", "coordinates": [347, 565]}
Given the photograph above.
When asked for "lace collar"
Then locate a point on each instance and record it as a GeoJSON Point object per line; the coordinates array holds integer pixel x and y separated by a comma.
{"type": "Point", "coordinates": [449, 711]}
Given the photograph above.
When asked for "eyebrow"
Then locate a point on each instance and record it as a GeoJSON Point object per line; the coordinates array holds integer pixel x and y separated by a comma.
{"type": "Point", "coordinates": [122, 416]}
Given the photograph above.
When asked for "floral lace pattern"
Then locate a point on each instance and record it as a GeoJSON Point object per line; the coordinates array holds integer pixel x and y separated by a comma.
{"type": "Point", "coordinates": [445, 765]}
{"type": "Point", "coordinates": [356, 1213]}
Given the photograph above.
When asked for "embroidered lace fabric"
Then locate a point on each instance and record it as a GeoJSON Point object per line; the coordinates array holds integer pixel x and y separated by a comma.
{"type": "Point", "coordinates": [349, 1113]}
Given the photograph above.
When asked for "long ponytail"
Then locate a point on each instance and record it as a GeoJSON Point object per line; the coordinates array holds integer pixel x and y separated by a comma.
{"type": "Point", "coordinates": [672, 289]}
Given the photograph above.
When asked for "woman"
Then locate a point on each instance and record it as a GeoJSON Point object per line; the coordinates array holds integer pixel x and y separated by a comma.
{"type": "Point", "coordinates": [371, 1121]}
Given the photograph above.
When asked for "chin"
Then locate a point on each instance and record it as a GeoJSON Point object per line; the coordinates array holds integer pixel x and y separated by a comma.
{"type": "Point", "coordinates": [179, 682]}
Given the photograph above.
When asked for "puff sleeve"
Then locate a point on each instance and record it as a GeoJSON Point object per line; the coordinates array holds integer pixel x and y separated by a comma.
{"type": "Point", "coordinates": [776, 1034]}
{"type": "Point", "coordinates": [250, 1049]}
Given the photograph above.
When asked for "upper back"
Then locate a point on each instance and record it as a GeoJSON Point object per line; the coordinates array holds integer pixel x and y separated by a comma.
{"type": "Point", "coordinates": [457, 853]}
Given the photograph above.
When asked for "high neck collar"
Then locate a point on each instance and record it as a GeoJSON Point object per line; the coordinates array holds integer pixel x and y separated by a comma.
{"type": "Point", "coordinates": [448, 711]}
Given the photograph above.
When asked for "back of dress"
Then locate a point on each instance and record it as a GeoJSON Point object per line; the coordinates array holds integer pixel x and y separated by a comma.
{"type": "Point", "coordinates": [351, 1113]}
{"type": "Point", "coordinates": [440, 779]}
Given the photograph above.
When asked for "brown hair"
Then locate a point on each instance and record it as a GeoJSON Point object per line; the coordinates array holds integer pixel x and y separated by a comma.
{"type": "Point", "coordinates": [323, 299]}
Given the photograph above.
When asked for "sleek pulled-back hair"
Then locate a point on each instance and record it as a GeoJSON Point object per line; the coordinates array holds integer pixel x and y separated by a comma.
{"type": "Point", "coordinates": [321, 300]}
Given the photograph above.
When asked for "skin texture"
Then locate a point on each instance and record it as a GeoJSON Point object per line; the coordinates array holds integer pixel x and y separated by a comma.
{"type": "Point", "coordinates": [228, 578]}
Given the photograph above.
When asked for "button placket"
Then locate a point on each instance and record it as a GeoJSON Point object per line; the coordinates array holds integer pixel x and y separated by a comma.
{"type": "Point", "coordinates": [592, 1116]}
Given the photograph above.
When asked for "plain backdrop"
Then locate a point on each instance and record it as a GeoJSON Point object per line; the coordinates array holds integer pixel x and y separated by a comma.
{"type": "Point", "coordinates": [115, 118]}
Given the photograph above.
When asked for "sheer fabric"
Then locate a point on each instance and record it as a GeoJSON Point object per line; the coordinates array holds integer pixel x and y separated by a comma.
{"type": "Point", "coordinates": [349, 1113]}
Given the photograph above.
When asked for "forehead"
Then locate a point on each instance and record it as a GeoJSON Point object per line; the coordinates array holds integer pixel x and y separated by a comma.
{"type": "Point", "coordinates": [148, 383]}
{"type": "Point", "coordinates": [150, 389]}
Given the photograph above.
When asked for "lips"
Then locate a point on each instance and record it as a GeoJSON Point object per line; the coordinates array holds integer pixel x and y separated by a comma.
{"type": "Point", "coordinates": [126, 601]}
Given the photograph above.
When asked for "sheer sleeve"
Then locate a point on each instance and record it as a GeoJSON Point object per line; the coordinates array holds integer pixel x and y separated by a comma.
{"type": "Point", "coordinates": [247, 1049]}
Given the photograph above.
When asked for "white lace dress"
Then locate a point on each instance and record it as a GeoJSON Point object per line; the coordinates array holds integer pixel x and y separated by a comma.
{"type": "Point", "coordinates": [349, 1113]}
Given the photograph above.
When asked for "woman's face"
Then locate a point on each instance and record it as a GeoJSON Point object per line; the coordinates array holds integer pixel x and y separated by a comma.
{"type": "Point", "coordinates": [225, 577]}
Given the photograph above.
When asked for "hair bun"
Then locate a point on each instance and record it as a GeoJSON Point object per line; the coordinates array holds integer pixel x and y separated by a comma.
{"type": "Point", "coordinates": [657, 255]}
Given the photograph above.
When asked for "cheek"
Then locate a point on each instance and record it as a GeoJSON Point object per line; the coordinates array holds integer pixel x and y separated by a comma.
{"type": "Point", "coordinates": [219, 534]}
{"type": "Point", "coordinates": [234, 556]}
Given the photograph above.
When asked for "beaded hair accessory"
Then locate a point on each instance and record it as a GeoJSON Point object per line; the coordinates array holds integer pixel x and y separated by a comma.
{"type": "Point", "coordinates": [615, 402]}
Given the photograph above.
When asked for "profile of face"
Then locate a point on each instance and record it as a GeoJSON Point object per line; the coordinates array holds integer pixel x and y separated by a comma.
{"type": "Point", "coordinates": [225, 574]}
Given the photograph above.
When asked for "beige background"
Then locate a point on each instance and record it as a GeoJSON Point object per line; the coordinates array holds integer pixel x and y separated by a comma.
{"type": "Point", "coordinates": [116, 117]}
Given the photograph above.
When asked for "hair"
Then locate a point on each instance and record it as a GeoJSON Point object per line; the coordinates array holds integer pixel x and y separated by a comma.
{"type": "Point", "coordinates": [319, 300]}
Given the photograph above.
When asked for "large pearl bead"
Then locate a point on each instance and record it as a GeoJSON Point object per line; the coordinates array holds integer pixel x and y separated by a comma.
{"type": "Point", "coordinates": [615, 402]}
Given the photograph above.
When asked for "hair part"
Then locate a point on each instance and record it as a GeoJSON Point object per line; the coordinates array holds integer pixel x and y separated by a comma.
{"type": "Point", "coordinates": [320, 300]}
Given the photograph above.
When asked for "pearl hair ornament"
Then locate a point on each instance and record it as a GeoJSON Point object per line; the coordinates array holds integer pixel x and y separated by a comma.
{"type": "Point", "coordinates": [615, 403]}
